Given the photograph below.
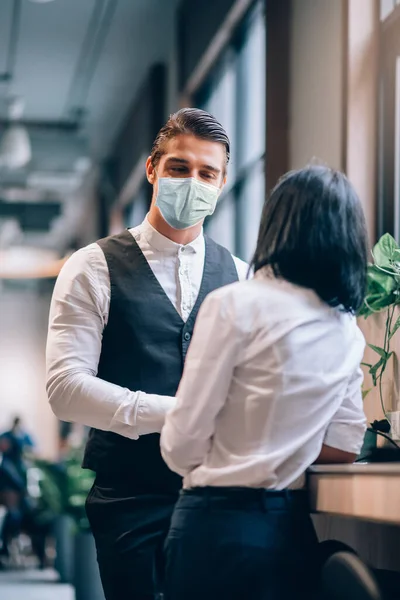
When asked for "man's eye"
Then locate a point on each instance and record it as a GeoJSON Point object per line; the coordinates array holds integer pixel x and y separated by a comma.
{"type": "Point", "coordinates": [208, 175]}
{"type": "Point", "coordinates": [178, 169]}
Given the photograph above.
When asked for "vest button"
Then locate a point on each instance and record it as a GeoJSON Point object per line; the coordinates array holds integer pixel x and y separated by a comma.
{"type": "Point", "coordinates": [187, 336]}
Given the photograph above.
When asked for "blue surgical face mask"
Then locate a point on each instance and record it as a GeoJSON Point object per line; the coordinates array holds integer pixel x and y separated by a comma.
{"type": "Point", "coordinates": [184, 202]}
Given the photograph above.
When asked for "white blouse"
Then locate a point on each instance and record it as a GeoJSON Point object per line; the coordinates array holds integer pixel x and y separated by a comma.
{"type": "Point", "coordinates": [272, 373]}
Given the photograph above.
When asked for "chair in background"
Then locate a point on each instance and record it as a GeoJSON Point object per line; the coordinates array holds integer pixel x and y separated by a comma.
{"type": "Point", "coordinates": [345, 577]}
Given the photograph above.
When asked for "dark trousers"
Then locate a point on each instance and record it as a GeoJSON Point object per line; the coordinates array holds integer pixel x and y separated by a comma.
{"type": "Point", "coordinates": [240, 544]}
{"type": "Point", "coordinates": [129, 530]}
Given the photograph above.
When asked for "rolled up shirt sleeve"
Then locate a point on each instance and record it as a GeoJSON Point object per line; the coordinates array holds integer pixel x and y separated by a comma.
{"type": "Point", "coordinates": [347, 428]}
{"type": "Point", "coordinates": [78, 315]}
{"type": "Point", "coordinates": [189, 426]}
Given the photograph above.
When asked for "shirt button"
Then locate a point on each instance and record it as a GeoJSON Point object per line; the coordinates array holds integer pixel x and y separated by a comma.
{"type": "Point", "coordinates": [187, 336]}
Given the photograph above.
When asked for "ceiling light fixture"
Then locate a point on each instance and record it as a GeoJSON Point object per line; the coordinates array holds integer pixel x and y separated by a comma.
{"type": "Point", "coordinates": [41, 1]}
{"type": "Point", "coordinates": [15, 145]}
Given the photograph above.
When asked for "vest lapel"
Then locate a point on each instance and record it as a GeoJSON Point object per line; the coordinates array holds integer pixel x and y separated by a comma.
{"type": "Point", "coordinates": [135, 255]}
{"type": "Point", "coordinates": [216, 269]}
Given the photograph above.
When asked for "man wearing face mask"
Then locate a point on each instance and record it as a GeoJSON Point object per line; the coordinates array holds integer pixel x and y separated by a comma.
{"type": "Point", "coordinates": [121, 320]}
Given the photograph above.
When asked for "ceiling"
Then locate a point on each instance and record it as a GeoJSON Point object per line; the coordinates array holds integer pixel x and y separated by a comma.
{"type": "Point", "coordinates": [78, 64]}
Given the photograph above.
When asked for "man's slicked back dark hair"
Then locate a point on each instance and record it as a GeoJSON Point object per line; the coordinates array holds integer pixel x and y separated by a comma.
{"type": "Point", "coordinates": [192, 121]}
{"type": "Point", "coordinates": [313, 234]}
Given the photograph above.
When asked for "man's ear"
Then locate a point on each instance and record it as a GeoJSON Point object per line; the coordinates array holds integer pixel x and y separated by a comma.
{"type": "Point", "coordinates": [150, 171]}
{"type": "Point", "coordinates": [224, 180]}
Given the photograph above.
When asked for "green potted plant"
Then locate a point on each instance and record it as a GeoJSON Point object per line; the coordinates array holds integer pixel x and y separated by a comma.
{"type": "Point", "coordinates": [70, 485]}
{"type": "Point", "coordinates": [86, 573]}
{"type": "Point", "coordinates": [383, 296]}
{"type": "Point", "coordinates": [54, 499]}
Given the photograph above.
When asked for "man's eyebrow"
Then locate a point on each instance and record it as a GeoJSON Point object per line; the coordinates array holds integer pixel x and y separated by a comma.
{"type": "Point", "coordinates": [210, 168]}
{"type": "Point", "coordinates": [181, 161]}
{"type": "Point", "coordinates": [184, 161]}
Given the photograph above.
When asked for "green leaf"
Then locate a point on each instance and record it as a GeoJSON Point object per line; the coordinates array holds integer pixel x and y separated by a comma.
{"type": "Point", "coordinates": [387, 359]}
{"type": "Point", "coordinates": [376, 302]}
{"type": "Point", "coordinates": [385, 251]}
{"type": "Point", "coordinates": [380, 281]}
{"type": "Point", "coordinates": [379, 351]}
{"type": "Point", "coordinates": [365, 311]}
{"type": "Point", "coordinates": [395, 328]}
{"type": "Point", "coordinates": [365, 393]}
{"type": "Point", "coordinates": [374, 370]}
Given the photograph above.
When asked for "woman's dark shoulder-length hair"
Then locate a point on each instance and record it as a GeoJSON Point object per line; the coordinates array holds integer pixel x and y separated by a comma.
{"type": "Point", "coordinates": [313, 234]}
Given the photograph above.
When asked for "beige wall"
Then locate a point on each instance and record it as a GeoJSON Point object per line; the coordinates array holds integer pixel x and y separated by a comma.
{"type": "Point", "coordinates": [361, 159]}
{"type": "Point", "coordinates": [362, 110]}
{"type": "Point", "coordinates": [373, 329]}
{"type": "Point", "coordinates": [316, 121]}
{"type": "Point", "coordinates": [23, 328]}
{"type": "Point", "coordinates": [317, 79]}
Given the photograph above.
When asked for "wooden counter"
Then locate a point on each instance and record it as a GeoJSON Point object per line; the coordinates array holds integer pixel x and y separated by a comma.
{"type": "Point", "coordinates": [360, 491]}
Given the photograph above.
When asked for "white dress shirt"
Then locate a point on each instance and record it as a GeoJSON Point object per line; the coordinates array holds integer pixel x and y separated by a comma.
{"type": "Point", "coordinates": [272, 373]}
{"type": "Point", "coordinates": [78, 314]}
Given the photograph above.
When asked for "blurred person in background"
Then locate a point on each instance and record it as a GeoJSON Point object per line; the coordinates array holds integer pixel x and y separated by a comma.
{"type": "Point", "coordinates": [121, 320]}
{"type": "Point", "coordinates": [15, 443]}
{"type": "Point", "coordinates": [271, 385]}
{"type": "Point", "coordinates": [18, 442]}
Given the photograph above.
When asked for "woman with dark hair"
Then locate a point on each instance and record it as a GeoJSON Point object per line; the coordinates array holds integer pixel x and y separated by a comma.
{"type": "Point", "coordinates": [271, 385]}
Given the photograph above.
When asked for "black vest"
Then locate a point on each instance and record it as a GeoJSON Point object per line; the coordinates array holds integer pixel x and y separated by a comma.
{"type": "Point", "coordinates": [144, 347]}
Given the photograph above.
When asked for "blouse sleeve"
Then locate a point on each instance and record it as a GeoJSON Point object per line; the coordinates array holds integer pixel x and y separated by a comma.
{"type": "Point", "coordinates": [210, 363]}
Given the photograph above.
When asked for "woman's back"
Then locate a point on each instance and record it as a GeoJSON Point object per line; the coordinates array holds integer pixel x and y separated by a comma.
{"type": "Point", "coordinates": [272, 383]}
{"type": "Point", "coordinates": [296, 370]}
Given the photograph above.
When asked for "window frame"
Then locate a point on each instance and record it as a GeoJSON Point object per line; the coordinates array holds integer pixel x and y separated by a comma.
{"type": "Point", "coordinates": [388, 217]}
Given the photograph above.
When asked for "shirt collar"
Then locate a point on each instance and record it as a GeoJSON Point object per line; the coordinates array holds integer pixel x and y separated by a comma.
{"type": "Point", "coordinates": [266, 273]}
{"type": "Point", "coordinates": [161, 243]}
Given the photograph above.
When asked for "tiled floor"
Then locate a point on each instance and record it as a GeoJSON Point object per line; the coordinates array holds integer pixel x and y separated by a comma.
{"type": "Point", "coordinates": [33, 585]}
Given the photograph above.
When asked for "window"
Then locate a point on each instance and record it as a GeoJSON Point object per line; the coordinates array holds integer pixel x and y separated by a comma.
{"type": "Point", "coordinates": [235, 93]}
{"type": "Point", "coordinates": [221, 226]}
{"type": "Point", "coordinates": [250, 203]}
{"type": "Point", "coordinates": [221, 100]}
{"type": "Point", "coordinates": [138, 208]}
{"type": "Point", "coordinates": [387, 6]}
{"type": "Point", "coordinates": [251, 92]}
